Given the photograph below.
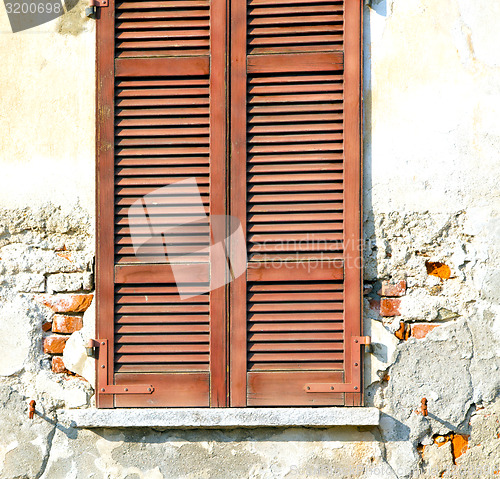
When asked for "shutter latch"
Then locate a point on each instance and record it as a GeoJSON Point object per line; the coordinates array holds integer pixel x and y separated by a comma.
{"type": "Point", "coordinates": [355, 385]}
{"type": "Point", "coordinates": [101, 345]}
{"type": "Point", "coordinates": [93, 4]}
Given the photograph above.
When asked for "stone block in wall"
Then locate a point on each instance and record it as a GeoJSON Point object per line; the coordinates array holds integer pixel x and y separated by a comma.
{"type": "Point", "coordinates": [30, 283]}
{"type": "Point", "coordinates": [66, 303]}
{"type": "Point", "coordinates": [54, 344]}
{"type": "Point", "coordinates": [65, 282]}
{"type": "Point", "coordinates": [62, 323]}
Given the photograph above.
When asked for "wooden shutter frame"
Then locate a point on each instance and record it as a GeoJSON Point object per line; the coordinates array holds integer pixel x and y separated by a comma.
{"type": "Point", "coordinates": [105, 73]}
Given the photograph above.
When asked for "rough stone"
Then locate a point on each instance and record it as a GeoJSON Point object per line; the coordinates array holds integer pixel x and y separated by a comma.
{"type": "Point", "coordinates": [65, 282]}
{"type": "Point", "coordinates": [189, 418]}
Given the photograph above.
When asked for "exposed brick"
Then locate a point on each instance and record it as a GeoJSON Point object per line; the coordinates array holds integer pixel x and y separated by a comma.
{"type": "Point", "coordinates": [54, 344]}
{"type": "Point", "coordinates": [403, 332]}
{"type": "Point", "coordinates": [375, 305]}
{"type": "Point", "coordinates": [46, 326]}
{"type": "Point", "coordinates": [420, 330]}
{"type": "Point", "coordinates": [58, 365]}
{"type": "Point", "coordinates": [62, 323]}
{"type": "Point", "coordinates": [390, 307]}
{"type": "Point", "coordinates": [438, 269]}
{"type": "Point", "coordinates": [391, 289]}
{"type": "Point", "coordinates": [66, 303]}
{"type": "Point", "coordinates": [459, 444]}
{"type": "Point", "coordinates": [367, 289]}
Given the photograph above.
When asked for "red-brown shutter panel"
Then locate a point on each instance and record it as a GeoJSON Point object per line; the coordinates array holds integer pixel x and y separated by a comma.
{"type": "Point", "coordinates": [161, 120]}
{"type": "Point", "coordinates": [295, 179]}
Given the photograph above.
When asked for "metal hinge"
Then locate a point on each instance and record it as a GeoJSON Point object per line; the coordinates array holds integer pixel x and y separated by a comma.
{"type": "Point", "coordinates": [102, 372]}
{"type": "Point", "coordinates": [355, 385]}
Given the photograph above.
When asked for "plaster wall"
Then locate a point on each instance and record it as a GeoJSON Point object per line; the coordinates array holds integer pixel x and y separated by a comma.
{"type": "Point", "coordinates": [432, 148]}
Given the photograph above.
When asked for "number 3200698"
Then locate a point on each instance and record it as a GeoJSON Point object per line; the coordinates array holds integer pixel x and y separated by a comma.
{"type": "Point", "coordinates": [48, 7]}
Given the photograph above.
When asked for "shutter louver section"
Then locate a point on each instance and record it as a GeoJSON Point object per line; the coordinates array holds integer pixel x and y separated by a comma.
{"type": "Point", "coordinates": [293, 157]}
{"type": "Point", "coordinates": [291, 26]}
{"type": "Point", "coordinates": [295, 166]}
{"type": "Point", "coordinates": [157, 28]}
{"type": "Point", "coordinates": [162, 137]}
{"type": "Point", "coordinates": [158, 194]}
{"type": "Point", "coordinates": [156, 331]}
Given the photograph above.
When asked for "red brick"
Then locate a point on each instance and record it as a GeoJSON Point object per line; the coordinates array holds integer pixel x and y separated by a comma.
{"type": "Point", "coordinates": [420, 330]}
{"type": "Point", "coordinates": [66, 303]}
{"type": "Point", "coordinates": [54, 344]}
{"type": "Point", "coordinates": [367, 289]}
{"type": "Point", "coordinates": [403, 332]}
{"type": "Point", "coordinates": [62, 323]}
{"type": "Point", "coordinates": [58, 365]}
{"type": "Point", "coordinates": [389, 307]}
{"type": "Point", "coordinates": [391, 289]}
{"type": "Point", "coordinates": [46, 326]}
{"type": "Point", "coordinates": [438, 269]}
{"type": "Point", "coordinates": [375, 305]}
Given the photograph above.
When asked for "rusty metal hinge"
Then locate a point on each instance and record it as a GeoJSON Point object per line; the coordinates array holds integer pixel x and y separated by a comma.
{"type": "Point", "coordinates": [102, 372]}
{"type": "Point", "coordinates": [355, 385]}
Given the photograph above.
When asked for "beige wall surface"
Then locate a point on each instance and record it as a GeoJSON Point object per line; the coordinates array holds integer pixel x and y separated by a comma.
{"type": "Point", "coordinates": [431, 197]}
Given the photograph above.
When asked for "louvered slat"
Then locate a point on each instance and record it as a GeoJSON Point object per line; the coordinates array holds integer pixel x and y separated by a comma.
{"type": "Point", "coordinates": [275, 341]}
{"type": "Point", "coordinates": [294, 26]}
{"type": "Point", "coordinates": [137, 103]}
{"type": "Point", "coordinates": [172, 28]}
{"type": "Point", "coordinates": [158, 331]}
{"type": "Point", "coordinates": [272, 180]}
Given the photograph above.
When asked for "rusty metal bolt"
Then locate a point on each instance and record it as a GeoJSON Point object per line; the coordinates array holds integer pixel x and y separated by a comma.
{"type": "Point", "coordinates": [424, 407]}
{"type": "Point", "coordinates": [31, 413]}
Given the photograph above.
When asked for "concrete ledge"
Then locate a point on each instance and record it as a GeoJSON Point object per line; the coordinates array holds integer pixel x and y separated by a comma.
{"type": "Point", "coordinates": [190, 418]}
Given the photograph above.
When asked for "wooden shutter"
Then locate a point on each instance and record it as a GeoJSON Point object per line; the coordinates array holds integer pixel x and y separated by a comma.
{"type": "Point", "coordinates": [293, 124]}
{"type": "Point", "coordinates": [161, 118]}
{"type": "Point", "coordinates": [295, 186]}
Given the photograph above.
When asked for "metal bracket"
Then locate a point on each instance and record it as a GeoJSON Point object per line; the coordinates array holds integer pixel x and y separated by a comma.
{"type": "Point", "coordinates": [355, 385]}
{"type": "Point", "coordinates": [98, 3]}
{"type": "Point", "coordinates": [102, 373]}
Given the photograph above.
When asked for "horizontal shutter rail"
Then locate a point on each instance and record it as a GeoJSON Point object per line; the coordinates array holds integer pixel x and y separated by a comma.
{"type": "Point", "coordinates": [160, 319]}
{"type": "Point", "coordinates": [162, 358]}
{"type": "Point", "coordinates": [303, 62]}
{"type": "Point", "coordinates": [162, 273]}
{"type": "Point", "coordinates": [171, 329]}
{"type": "Point", "coordinates": [153, 67]}
{"type": "Point", "coordinates": [308, 329]}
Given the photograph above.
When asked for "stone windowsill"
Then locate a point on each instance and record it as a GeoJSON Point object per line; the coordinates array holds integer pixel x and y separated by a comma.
{"type": "Point", "coordinates": [189, 418]}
